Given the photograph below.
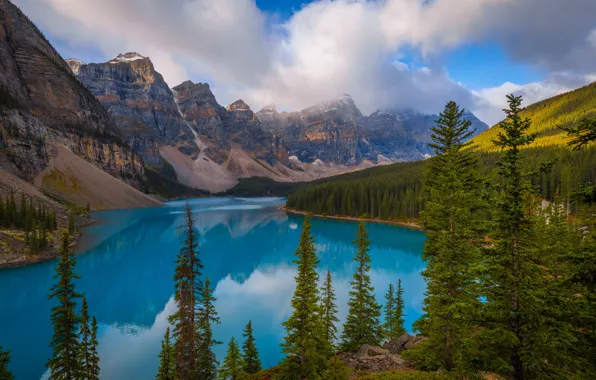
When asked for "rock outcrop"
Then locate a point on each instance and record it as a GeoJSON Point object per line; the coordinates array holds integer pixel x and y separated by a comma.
{"type": "Point", "coordinates": [42, 104]}
{"type": "Point", "coordinates": [404, 342]}
{"type": "Point", "coordinates": [141, 104]}
{"type": "Point", "coordinates": [371, 359]}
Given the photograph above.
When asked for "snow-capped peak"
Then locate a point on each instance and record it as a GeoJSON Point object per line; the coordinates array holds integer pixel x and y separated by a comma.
{"type": "Point", "coordinates": [127, 57]}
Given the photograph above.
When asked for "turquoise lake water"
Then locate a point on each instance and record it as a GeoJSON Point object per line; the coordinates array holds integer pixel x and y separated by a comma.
{"type": "Point", "coordinates": [247, 247]}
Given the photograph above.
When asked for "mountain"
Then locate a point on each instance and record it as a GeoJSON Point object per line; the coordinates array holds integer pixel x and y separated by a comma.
{"type": "Point", "coordinates": [328, 131]}
{"type": "Point", "coordinates": [182, 132]}
{"type": "Point", "coordinates": [548, 117]}
{"type": "Point", "coordinates": [336, 131]}
{"type": "Point", "coordinates": [45, 110]}
{"type": "Point", "coordinates": [140, 103]}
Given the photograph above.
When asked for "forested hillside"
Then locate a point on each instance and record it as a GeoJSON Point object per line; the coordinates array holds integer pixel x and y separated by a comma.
{"type": "Point", "coordinates": [394, 191]}
{"type": "Point", "coordinates": [547, 116]}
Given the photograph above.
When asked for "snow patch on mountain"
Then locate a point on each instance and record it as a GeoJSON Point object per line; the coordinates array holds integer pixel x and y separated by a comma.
{"type": "Point", "coordinates": [127, 57]}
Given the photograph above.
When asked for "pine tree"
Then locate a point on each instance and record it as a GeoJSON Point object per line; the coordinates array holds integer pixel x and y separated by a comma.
{"type": "Point", "coordinates": [451, 223]}
{"type": "Point", "coordinates": [87, 345]}
{"type": "Point", "coordinates": [304, 343]}
{"type": "Point", "coordinates": [167, 359]}
{"type": "Point", "coordinates": [250, 357]}
{"type": "Point", "coordinates": [394, 313]}
{"type": "Point", "coordinates": [65, 346]}
{"type": "Point", "coordinates": [207, 362]}
{"type": "Point", "coordinates": [362, 324]}
{"type": "Point", "coordinates": [5, 373]}
{"type": "Point", "coordinates": [389, 313]}
{"type": "Point", "coordinates": [514, 270]}
{"type": "Point", "coordinates": [399, 314]}
{"type": "Point", "coordinates": [231, 369]}
{"type": "Point", "coordinates": [187, 294]}
{"type": "Point", "coordinates": [23, 212]}
{"type": "Point", "coordinates": [93, 366]}
{"type": "Point", "coordinates": [72, 227]}
{"type": "Point", "coordinates": [329, 313]}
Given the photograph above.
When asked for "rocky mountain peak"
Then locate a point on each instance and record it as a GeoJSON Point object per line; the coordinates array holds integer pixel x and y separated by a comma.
{"type": "Point", "coordinates": [127, 57]}
{"type": "Point", "coordinates": [75, 65]}
{"type": "Point", "coordinates": [198, 92]}
{"type": "Point", "coordinates": [238, 105]}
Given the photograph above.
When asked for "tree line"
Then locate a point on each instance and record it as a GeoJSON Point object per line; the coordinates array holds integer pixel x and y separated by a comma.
{"type": "Point", "coordinates": [37, 222]}
{"type": "Point", "coordinates": [512, 293]}
{"type": "Point", "coordinates": [395, 192]}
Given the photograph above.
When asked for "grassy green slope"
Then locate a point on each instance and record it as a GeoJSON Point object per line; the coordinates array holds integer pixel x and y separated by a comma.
{"type": "Point", "coordinates": [560, 111]}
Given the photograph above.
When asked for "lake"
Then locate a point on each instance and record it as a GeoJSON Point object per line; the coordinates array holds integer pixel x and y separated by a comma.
{"type": "Point", "coordinates": [247, 247]}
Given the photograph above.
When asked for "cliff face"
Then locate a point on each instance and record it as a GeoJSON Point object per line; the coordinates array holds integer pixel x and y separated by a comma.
{"type": "Point", "coordinates": [42, 103]}
{"type": "Point", "coordinates": [329, 131]}
{"type": "Point", "coordinates": [140, 103]}
{"type": "Point", "coordinates": [221, 129]}
{"type": "Point", "coordinates": [337, 132]}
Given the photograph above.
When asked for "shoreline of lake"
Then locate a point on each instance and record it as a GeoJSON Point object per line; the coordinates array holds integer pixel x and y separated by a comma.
{"type": "Point", "coordinates": [411, 225]}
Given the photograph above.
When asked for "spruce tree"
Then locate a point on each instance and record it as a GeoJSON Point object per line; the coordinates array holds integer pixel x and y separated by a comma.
{"type": "Point", "coordinates": [514, 266]}
{"type": "Point", "coordinates": [167, 359]}
{"type": "Point", "coordinates": [362, 324]}
{"type": "Point", "coordinates": [93, 366]}
{"type": "Point", "coordinates": [329, 313]}
{"type": "Point", "coordinates": [452, 250]}
{"type": "Point", "coordinates": [389, 313]}
{"type": "Point", "coordinates": [64, 363]}
{"type": "Point", "coordinates": [84, 339]}
{"type": "Point", "coordinates": [88, 359]}
{"type": "Point", "coordinates": [399, 314]}
{"type": "Point", "coordinates": [304, 343]}
{"type": "Point", "coordinates": [207, 362]}
{"type": "Point", "coordinates": [5, 373]}
{"type": "Point", "coordinates": [250, 357]}
{"type": "Point", "coordinates": [231, 369]}
{"type": "Point", "coordinates": [394, 312]}
{"type": "Point", "coordinates": [72, 227]}
{"type": "Point", "coordinates": [187, 293]}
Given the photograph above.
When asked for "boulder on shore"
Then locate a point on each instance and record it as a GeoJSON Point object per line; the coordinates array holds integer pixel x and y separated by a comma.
{"type": "Point", "coordinates": [373, 359]}
{"type": "Point", "coordinates": [404, 342]}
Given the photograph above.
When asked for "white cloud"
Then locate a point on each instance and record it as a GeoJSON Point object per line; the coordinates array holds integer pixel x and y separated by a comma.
{"type": "Point", "coordinates": [490, 102]}
{"type": "Point", "coordinates": [327, 48]}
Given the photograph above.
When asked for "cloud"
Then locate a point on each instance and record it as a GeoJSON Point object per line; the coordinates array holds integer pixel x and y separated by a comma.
{"type": "Point", "coordinates": [328, 48]}
{"type": "Point", "coordinates": [490, 102]}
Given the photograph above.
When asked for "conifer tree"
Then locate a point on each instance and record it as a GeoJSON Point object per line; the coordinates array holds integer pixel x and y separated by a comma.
{"type": "Point", "coordinates": [207, 362]}
{"type": "Point", "coordinates": [23, 211]}
{"type": "Point", "coordinates": [71, 224]}
{"type": "Point", "coordinates": [84, 339]}
{"type": "Point", "coordinates": [399, 314]}
{"type": "Point", "coordinates": [93, 365]}
{"type": "Point", "coordinates": [250, 357]}
{"type": "Point", "coordinates": [394, 313]}
{"type": "Point", "coordinates": [362, 324]}
{"type": "Point", "coordinates": [187, 292]}
{"type": "Point", "coordinates": [167, 359]}
{"type": "Point", "coordinates": [451, 223]}
{"type": "Point", "coordinates": [5, 373]}
{"type": "Point", "coordinates": [65, 346]}
{"type": "Point", "coordinates": [231, 369]}
{"type": "Point", "coordinates": [514, 270]}
{"type": "Point", "coordinates": [329, 313]}
{"type": "Point", "coordinates": [389, 313]}
{"type": "Point", "coordinates": [87, 345]}
{"type": "Point", "coordinates": [304, 343]}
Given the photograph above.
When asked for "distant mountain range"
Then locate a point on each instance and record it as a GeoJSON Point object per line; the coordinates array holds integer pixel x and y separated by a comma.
{"type": "Point", "coordinates": [123, 118]}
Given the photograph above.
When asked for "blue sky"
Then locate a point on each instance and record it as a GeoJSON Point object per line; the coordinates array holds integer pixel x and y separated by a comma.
{"type": "Point", "coordinates": [295, 53]}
